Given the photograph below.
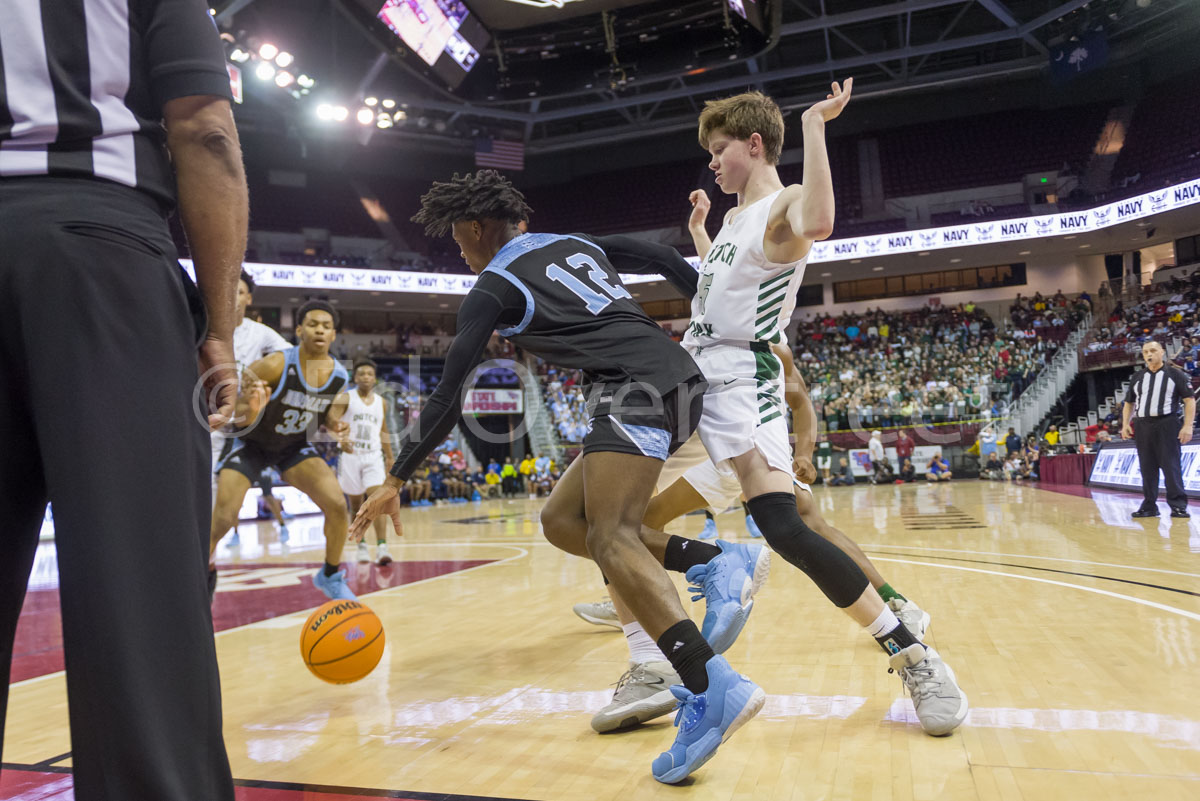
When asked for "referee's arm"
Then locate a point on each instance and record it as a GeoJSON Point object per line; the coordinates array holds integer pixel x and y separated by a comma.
{"type": "Point", "coordinates": [1127, 413]}
{"type": "Point", "coordinates": [1189, 416]}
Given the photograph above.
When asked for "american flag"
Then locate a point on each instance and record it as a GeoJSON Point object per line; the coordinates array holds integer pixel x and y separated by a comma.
{"type": "Point", "coordinates": [498, 154]}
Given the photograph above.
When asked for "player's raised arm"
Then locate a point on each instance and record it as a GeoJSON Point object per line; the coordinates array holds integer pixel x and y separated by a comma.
{"type": "Point", "coordinates": [809, 212]}
{"type": "Point", "coordinates": [700, 206]}
{"type": "Point", "coordinates": [258, 382]}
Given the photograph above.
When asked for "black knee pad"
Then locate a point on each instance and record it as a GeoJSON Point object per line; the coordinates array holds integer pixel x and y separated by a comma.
{"type": "Point", "coordinates": [835, 573]}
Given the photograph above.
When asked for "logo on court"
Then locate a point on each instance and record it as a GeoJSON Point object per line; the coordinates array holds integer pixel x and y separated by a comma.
{"type": "Point", "coordinates": [355, 633]}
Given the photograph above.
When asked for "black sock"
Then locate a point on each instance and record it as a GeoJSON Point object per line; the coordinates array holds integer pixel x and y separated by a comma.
{"type": "Point", "coordinates": [683, 553]}
{"type": "Point", "coordinates": [689, 653]}
{"type": "Point", "coordinates": [330, 569]}
{"type": "Point", "coordinates": [896, 640]}
{"type": "Point", "coordinates": [709, 516]}
{"type": "Point", "coordinates": [746, 509]}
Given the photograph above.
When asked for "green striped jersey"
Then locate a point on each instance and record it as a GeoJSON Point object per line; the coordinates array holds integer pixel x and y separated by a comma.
{"type": "Point", "coordinates": [741, 297]}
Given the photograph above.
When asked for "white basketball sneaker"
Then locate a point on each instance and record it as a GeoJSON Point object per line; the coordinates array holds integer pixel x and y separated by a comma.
{"type": "Point", "coordinates": [601, 613]}
{"type": "Point", "coordinates": [643, 694]}
{"type": "Point", "coordinates": [914, 618]}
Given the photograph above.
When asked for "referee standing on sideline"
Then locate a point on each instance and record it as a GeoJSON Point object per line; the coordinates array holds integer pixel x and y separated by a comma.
{"type": "Point", "coordinates": [111, 113]}
{"type": "Point", "coordinates": [1159, 392]}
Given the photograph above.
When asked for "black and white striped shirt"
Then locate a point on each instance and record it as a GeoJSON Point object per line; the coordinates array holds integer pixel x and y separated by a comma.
{"type": "Point", "coordinates": [1160, 393]}
{"type": "Point", "coordinates": [83, 84]}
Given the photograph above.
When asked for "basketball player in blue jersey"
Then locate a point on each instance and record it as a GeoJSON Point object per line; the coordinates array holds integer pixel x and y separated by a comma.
{"type": "Point", "coordinates": [286, 398]}
{"type": "Point", "coordinates": [561, 298]}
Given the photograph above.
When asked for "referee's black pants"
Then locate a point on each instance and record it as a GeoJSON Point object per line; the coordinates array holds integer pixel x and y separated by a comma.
{"type": "Point", "coordinates": [98, 333]}
{"type": "Point", "coordinates": [1158, 447]}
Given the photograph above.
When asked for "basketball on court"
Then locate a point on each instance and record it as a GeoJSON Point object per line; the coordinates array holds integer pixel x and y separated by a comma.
{"type": "Point", "coordinates": [342, 642]}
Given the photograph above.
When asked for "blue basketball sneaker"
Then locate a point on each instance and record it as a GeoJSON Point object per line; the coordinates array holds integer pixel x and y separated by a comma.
{"type": "Point", "coordinates": [753, 528]}
{"type": "Point", "coordinates": [334, 587]}
{"type": "Point", "coordinates": [707, 720]}
{"type": "Point", "coordinates": [236, 540]}
{"type": "Point", "coordinates": [728, 583]}
{"type": "Point", "coordinates": [710, 530]}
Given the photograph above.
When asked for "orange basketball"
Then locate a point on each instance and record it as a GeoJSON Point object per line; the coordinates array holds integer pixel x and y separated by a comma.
{"type": "Point", "coordinates": [342, 642]}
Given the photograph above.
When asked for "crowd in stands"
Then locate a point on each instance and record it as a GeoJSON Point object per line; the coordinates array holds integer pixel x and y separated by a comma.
{"type": "Point", "coordinates": [563, 392]}
{"type": "Point", "coordinates": [1012, 458]}
{"type": "Point", "coordinates": [445, 477]}
{"type": "Point", "coordinates": [935, 364]}
{"type": "Point", "coordinates": [1161, 311]}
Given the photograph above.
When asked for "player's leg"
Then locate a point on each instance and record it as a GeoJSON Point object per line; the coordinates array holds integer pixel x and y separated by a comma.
{"type": "Point", "coordinates": [941, 706]}
{"type": "Point", "coordinates": [643, 691]}
{"type": "Point", "coordinates": [350, 478]}
{"type": "Point", "coordinates": [308, 473]}
{"type": "Point", "coordinates": [911, 615]}
{"type": "Point", "coordinates": [233, 481]}
{"type": "Point", "coordinates": [382, 556]}
{"type": "Point", "coordinates": [715, 699]}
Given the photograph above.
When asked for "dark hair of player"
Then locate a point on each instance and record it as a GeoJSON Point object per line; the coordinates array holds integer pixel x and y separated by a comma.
{"type": "Point", "coordinates": [483, 195]}
{"type": "Point", "coordinates": [317, 305]}
{"type": "Point", "coordinates": [365, 363]}
{"type": "Point", "coordinates": [248, 281]}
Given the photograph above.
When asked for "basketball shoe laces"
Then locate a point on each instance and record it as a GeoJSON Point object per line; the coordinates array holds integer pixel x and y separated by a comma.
{"type": "Point", "coordinates": [698, 578]}
{"type": "Point", "coordinates": [920, 680]}
{"type": "Point", "coordinates": [690, 710]}
{"type": "Point", "coordinates": [626, 677]}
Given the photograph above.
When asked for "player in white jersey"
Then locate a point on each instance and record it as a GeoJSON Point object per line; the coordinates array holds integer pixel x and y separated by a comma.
{"type": "Point", "coordinates": [366, 454]}
{"type": "Point", "coordinates": [744, 298]}
{"type": "Point", "coordinates": [251, 341]}
{"type": "Point", "coordinates": [642, 693]}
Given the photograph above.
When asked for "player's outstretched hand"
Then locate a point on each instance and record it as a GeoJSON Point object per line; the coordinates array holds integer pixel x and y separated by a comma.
{"type": "Point", "coordinates": [219, 370]}
{"type": "Point", "coordinates": [341, 430]}
{"type": "Point", "coordinates": [804, 470]}
{"type": "Point", "coordinates": [383, 501]}
{"type": "Point", "coordinates": [700, 206]}
{"type": "Point", "coordinates": [834, 102]}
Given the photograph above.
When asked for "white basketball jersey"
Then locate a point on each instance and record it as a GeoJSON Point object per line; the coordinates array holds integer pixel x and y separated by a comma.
{"type": "Point", "coordinates": [365, 421]}
{"type": "Point", "coordinates": [252, 340]}
{"type": "Point", "coordinates": [741, 297]}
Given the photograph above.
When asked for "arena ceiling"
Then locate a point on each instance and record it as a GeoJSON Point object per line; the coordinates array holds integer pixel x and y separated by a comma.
{"type": "Point", "coordinates": [612, 70]}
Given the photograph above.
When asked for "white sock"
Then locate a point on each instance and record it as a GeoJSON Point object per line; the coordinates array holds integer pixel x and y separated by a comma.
{"type": "Point", "coordinates": [884, 624]}
{"type": "Point", "coordinates": [642, 649]}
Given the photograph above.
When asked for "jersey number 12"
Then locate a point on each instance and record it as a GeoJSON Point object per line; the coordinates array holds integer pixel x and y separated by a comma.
{"type": "Point", "coordinates": [595, 301]}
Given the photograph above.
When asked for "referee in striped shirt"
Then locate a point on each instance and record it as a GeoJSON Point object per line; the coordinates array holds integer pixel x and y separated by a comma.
{"type": "Point", "coordinates": [1159, 394]}
{"type": "Point", "coordinates": [112, 113]}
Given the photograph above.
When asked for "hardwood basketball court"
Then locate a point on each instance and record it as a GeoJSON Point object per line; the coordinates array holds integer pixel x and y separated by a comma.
{"type": "Point", "coordinates": [1074, 630]}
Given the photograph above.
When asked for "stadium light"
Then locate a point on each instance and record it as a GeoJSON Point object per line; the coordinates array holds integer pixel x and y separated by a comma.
{"type": "Point", "coordinates": [372, 101]}
{"type": "Point", "coordinates": [324, 111]}
{"type": "Point", "coordinates": [268, 51]}
{"type": "Point", "coordinates": [284, 79]}
{"type": "Point", "coordinates": [384, 122]}
{"type": "Point", "coordinates": [389, 103]}
{"type": "Point", "coordinates": [340, 113]}
{"type": "Point", "coordinates": [264, 71]}
{"type": "Point", "coordinates": [305, 82]}
{"type": "Point", "coordinates": [365, 116]}
{"type": "Point", "coordinates": [284, 59]}
{"type": "Point", "coordinates": [400, 115]}
{"type": "Point", "coordinates": [239, 55]}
